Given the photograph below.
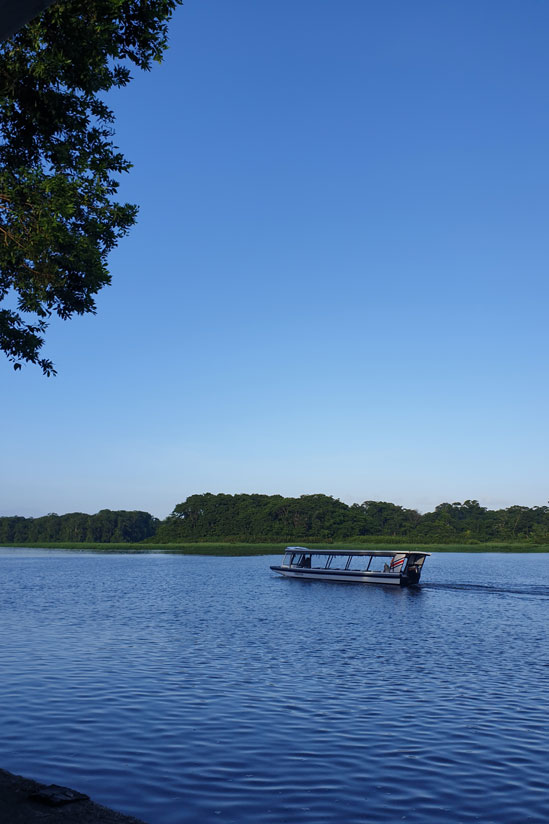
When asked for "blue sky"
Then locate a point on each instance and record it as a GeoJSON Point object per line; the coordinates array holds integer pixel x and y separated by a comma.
{"type": "Point", "coordinates": [338, 281]}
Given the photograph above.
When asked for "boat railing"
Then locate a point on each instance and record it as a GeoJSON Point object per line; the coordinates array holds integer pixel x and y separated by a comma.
{"type": "Point", "coordinates": [376, 561]}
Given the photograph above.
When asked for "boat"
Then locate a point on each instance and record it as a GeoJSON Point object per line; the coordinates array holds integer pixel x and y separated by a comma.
{"type": "Point", "coordinates": [363, 566]}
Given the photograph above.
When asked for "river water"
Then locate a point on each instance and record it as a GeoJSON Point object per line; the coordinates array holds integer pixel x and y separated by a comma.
{"type": "Point", "coordinates": [195, 689]}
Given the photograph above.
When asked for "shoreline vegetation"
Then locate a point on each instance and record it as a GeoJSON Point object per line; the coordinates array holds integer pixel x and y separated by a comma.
{"type": "Point", "coordinates": [256, 524]}
{"type": "Point", "coordinates": [246, 549]}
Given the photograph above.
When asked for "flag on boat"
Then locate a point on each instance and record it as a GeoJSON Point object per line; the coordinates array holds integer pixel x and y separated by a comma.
{"type": "Point", "coordinates": [397, 563]}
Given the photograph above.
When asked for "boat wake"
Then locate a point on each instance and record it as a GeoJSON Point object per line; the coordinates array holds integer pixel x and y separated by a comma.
{"type": "Point", "coordinates": [535, 590]}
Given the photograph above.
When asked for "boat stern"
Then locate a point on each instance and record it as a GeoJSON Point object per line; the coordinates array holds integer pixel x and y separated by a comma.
{"type": "Point", "coordinates": [414, 565]}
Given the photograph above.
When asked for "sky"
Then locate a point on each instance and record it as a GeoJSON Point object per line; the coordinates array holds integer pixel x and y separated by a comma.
{"type": "Point", "coordinates": [338, 279]}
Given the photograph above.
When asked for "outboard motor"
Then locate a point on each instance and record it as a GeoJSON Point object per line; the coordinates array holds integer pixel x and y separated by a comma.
{"type": "Point", "coordinates": [413, 570]}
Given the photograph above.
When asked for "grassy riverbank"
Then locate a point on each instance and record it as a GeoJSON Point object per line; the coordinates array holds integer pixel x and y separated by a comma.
{"type": "Point", "coordinates": [236, 549]}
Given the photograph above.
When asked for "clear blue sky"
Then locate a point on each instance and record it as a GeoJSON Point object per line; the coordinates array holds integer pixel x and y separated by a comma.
{"type": "Point", "coordinates": [338, 282]}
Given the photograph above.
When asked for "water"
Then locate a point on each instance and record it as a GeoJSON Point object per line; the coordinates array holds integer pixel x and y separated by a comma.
{"type": "Point", "coordinates": [190, 689]}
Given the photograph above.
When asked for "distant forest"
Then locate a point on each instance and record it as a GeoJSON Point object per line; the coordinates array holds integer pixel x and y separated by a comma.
{"type": "Point", "coordinates": [104, 527]}
{"type": "Point", "coordinates": [268, 518]}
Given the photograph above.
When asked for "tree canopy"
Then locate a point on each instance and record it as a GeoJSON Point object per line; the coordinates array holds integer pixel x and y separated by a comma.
{"type": "Point", "coordinates": [321, 518]}
{"type": "Point", "coordinates": [309, 518]}
{"type": "Point", "coordinates": [59, 167]}
{"type": "Point", "coordinates": [106, 526]}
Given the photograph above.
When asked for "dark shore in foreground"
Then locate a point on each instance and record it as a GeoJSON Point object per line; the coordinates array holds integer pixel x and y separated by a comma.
{"type": "Point", "coordinates": [243, 549]}
{"type": "Point", "coordinates": [17, 806]}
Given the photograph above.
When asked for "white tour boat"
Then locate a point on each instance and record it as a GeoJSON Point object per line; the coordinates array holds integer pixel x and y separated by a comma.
{"type": "Point", "coordinates": [364, 566]}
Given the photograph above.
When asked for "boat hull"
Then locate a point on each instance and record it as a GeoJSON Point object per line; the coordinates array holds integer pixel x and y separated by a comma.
{"type": "Point", "coordinates": [344, 576]}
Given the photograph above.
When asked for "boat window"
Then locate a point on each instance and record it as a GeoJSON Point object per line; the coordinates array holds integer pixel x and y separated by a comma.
{"type": "Point", "coordinates": [287, 559]}
{"type": "Point", "coordinates": [358, 562]}
{"type": "Point", "coordinates": [381, 563]}
{"type": "Point", "coordinates": [302, 559]}
{"type": "Point", "coordinates": [329, 561]}
{"type": "Point", "coordinates": [338, 562]}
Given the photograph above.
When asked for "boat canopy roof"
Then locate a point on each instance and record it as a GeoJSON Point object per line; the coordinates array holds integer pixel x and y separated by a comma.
{"type": "Point", "coordinates": [388, 553]}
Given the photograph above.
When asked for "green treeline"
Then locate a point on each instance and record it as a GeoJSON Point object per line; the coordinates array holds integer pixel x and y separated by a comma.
{"type": "Point", "coordinates": [104, 527]}
{"type": "Point", "coordinates": [256, 518]}
{"type": "Point", "coordinates": [273, 518]}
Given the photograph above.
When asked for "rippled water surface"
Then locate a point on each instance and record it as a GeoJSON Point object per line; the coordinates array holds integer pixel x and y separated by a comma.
{"type": "Point", "coordinates": [194, 689]}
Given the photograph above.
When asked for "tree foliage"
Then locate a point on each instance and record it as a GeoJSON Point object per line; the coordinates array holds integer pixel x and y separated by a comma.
{"type": "Point", "coordinates": [106, 526]}
{"type": "Point", "coordinates": [59, 167]}
{"type": "Point", "coordinates": [254, 516]}
{"type": "Point", "coordinates": [321, 518]}
{"type": "Point", "coordinates": [274, 518]}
